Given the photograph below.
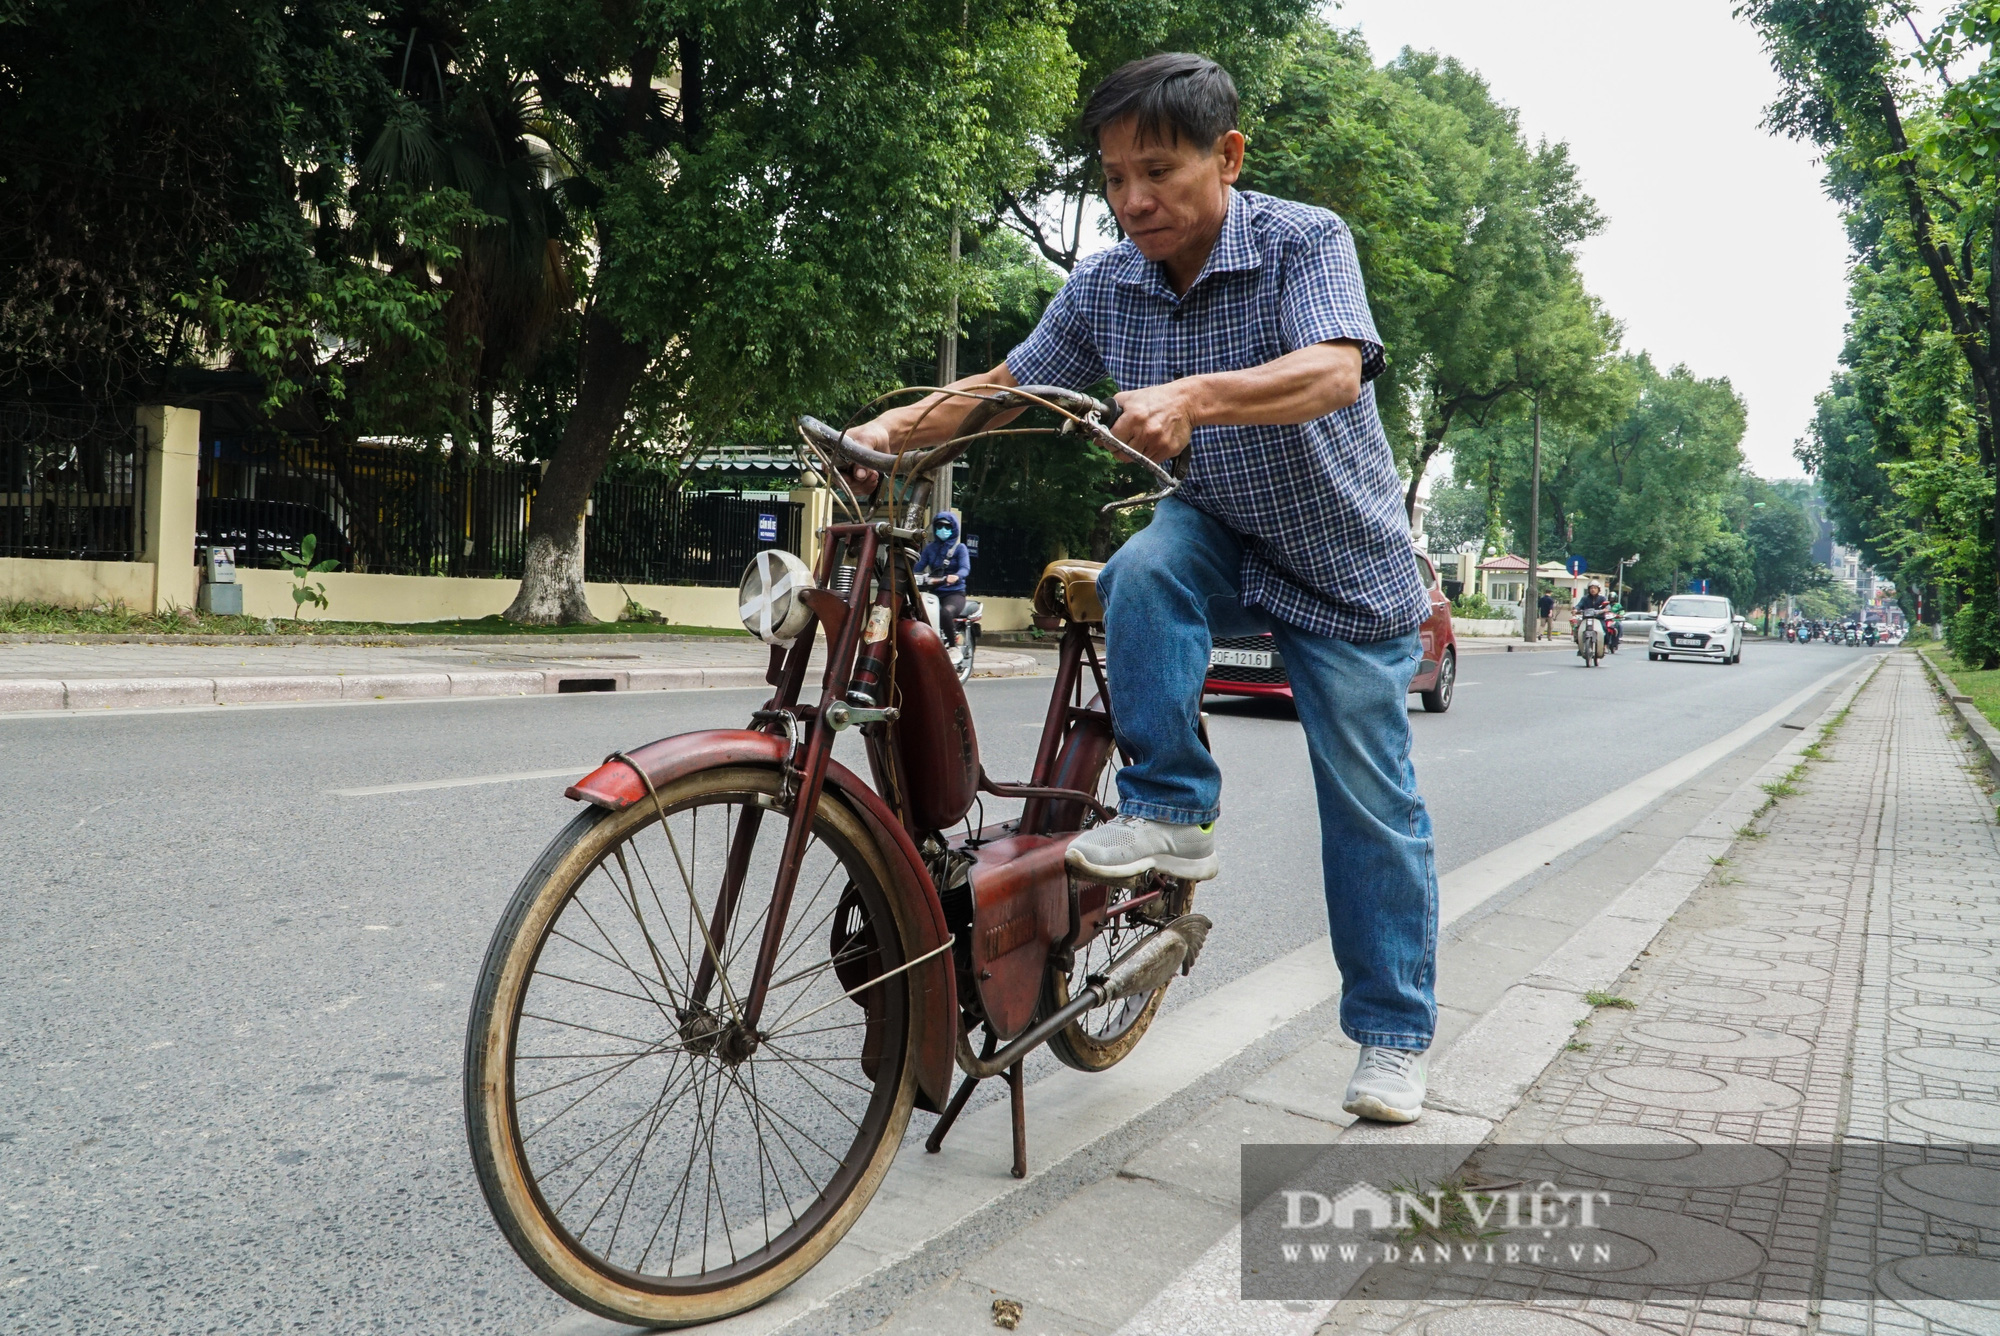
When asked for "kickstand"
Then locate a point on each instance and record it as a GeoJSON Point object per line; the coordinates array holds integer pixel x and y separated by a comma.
{"type": "Point", "coordinates": [1018, 1097]}
{"type": "Point", "coordinates": [935, 1141]}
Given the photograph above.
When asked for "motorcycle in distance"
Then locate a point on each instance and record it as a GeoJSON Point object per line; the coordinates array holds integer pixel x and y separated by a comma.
{"type": "Point", "coordinates": [969, 618]}
{"type": "Point", "coordinates": [706, 1015]}
{"type": "Point", "coordinates": [1870, 636]}
{"type": "Point", "coordinates": [1791, 632]}
{"type": "Point", "coordinates": [1590, 637]}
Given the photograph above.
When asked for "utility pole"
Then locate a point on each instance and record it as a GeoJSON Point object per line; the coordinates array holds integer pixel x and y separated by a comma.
{"type": "Point", "coordinates": [1531, 610]}
{"type": "Point", "coordinates": [948, 370]}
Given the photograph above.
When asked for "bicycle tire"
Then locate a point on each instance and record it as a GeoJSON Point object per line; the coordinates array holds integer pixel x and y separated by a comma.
{"type": "Point", "coordinates": [519, 1186]}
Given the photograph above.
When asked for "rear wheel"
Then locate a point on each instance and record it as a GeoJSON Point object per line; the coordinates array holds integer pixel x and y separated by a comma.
{"type": "Point", "coordinates": [1438, 699]}
{"type": "Point", "coordinates": [647, 1157]}
{"type": "Point", "coordinates": [1099, 1039]}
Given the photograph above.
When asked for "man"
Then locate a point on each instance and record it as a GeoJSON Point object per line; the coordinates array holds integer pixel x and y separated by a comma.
{"type": "Point", "coordinates": [1236, 328]}
{"type": "Point", "coordinates": [1545, 607]}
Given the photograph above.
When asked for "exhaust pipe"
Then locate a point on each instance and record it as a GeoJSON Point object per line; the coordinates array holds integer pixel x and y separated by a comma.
{"type": "Point", "coordinates": [1145, 965]}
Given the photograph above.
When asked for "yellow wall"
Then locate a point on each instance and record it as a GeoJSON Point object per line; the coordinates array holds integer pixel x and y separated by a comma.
{"type": "Point", "coordinates": [79, 584]}
{"type": "Point", "coordinates": [436, 598]}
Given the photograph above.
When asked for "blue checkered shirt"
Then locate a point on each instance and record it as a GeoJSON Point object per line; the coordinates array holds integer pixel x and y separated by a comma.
{"type": "Point", "coordinates": [1319, 505]}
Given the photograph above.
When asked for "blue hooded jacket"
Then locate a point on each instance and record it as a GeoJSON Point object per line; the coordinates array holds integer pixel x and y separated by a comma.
{"type": "Point", "coordinates": [947, 556]}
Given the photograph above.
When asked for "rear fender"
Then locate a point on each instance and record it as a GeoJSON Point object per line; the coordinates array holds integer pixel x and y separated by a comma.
{"type": "Point", "coordinates": [934, 987]}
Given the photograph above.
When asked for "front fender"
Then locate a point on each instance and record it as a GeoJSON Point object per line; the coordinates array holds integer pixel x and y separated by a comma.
{"type": "Point", "coordinates": [934, 984]}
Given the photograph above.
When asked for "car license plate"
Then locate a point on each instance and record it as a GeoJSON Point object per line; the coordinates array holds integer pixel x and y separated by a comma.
{"type": "Point", "coordinates": [1239, 658]}
{"type": "Point", "coordinates": [1686, 640]}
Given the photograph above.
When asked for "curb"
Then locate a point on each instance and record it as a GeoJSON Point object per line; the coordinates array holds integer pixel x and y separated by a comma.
{"type": "Point", "coordinates": [1985, 738]}
{"type": "Point", "coordinates": [376, 641]}
{"type": "Point", "coordinates": [110, 693]}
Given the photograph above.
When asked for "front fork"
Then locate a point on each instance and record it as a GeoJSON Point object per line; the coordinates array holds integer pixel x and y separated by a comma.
{"type": "Point", "coordinates": [807, 765]}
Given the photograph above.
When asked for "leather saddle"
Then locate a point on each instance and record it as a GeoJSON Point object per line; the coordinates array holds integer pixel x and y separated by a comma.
{"type": "Point", "coordinates": [1068, 590]}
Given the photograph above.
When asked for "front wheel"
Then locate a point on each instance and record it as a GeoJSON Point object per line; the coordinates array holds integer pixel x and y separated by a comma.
{"type": "Point", "coordinates": [646, 1154]}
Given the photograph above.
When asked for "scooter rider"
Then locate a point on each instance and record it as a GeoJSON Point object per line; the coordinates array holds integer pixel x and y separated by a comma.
{"type": "Point", "coordinates": [1593, 600]}
{"type": "Point", "coordinates": [1236, 324]}
{"type": "Point", "coordinates": [946, 564]}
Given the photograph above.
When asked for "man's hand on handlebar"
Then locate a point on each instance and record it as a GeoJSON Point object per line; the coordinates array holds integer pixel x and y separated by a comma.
{"type": "Point", "coordinates": [1156, 422]}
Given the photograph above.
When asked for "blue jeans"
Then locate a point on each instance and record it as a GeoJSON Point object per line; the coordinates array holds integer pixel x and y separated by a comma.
{"type": "Point", "coordinates": [1167, 592]}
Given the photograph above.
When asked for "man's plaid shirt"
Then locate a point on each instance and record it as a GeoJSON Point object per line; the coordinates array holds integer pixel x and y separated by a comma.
{"type": "Point", "coordinates": [1327, 545]}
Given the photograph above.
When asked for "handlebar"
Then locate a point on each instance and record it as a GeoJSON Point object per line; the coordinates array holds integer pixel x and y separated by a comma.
{"type": "Point", "coordinates": [1081, 413]}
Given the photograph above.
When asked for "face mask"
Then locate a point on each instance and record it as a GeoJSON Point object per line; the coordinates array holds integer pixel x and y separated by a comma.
{"type": "Point", "coordinates": [942, 533]}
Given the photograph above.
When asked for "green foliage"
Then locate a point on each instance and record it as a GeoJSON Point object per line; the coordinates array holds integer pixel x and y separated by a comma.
{"type": "Point", "coordinates": [1472, 604]}
{"type": "Point", "coordinates": [303, 568]}
{"type": "Point", "coordinates": [1467, 235]}
{"type": "Point", "coordinates": [1904, 438]}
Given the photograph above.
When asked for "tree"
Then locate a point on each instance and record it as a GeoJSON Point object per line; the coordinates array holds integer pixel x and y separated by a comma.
{"type": "Point", "coordinates": [1467, 236]}
{"type": "Point", "coordinates": [139, 194]}
{"type": "Point", "coordinates": [1457, 516]}
{"type": "Point", "coordinates": [1908, 145]}
{"type": "Point", "coordinates": [764, 193]}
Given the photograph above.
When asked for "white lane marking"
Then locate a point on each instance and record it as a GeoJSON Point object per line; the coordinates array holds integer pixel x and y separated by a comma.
{"type": "Point", "coordinates": [108, 712]}
{"type": "Point", "coordinates": [470, 781]}
{"type": "Point", "coordinates": [1467, 887]}
{"type": "Point", "coordinates": [1546, 672]}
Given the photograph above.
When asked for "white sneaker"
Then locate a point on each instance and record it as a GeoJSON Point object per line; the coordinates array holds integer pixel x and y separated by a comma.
{"type": "Point", "coordinates": [1387, 1086]}
{"type": "Point", "coordinates": [1128, 846]}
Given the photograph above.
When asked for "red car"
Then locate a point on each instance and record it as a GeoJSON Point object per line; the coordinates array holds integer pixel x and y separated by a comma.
{"type": "Point", "coordinates": [1252, 666]}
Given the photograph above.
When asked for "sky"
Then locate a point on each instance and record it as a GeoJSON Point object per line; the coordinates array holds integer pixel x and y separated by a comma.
{"type": "Point", "coordinates": [1720, 250]}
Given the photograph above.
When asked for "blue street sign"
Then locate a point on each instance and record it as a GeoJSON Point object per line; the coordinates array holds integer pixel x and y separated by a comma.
{"type": "Point", "coordinates": [1576, 566]}
{"type": "Point", "coordinates": [972, 543]}
{"type": "Point", "coordinates": [1698, 586]}
{"type": "Point", "coordinates": [767, 528]}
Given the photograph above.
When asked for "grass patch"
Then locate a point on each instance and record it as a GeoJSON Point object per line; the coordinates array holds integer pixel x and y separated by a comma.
{"type": "Point", "coordinates": [1455, 1219]}
{"type": "Point", "coordinates": [1610, 1000]}
{"type": "Point", "coordinates": [116, 619]}
{"type": "Point", "coordinates": [1983, 687]}
{"type": "Point", "coordinates": [1574, 1045]}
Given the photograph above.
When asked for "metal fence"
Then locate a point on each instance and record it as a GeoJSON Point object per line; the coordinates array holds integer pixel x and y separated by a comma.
{"type": "Point", "coordinates": [72, 483]}
{"type": "Point", "coordinates": [643, 533]}
{"type": "Point", "coordinates": [412, 512]}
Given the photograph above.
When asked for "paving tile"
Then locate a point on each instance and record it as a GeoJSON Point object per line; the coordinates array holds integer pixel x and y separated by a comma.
{"type": "Point", "coordinates": [1187, 1158]}
{"type": "Point", "coordinates": [1060, 1260]}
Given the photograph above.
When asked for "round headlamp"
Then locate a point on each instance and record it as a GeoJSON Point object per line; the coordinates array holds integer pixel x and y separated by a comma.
{"type": "Point", "coordinates": [768, 599]}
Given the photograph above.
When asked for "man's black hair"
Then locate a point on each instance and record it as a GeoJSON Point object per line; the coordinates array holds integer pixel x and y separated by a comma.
{"type": "Point", "coordinates": [1170, 95]}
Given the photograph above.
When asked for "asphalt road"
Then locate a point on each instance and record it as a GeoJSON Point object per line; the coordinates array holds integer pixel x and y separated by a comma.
{"type": "Point", "coordinates": [234, 1002]}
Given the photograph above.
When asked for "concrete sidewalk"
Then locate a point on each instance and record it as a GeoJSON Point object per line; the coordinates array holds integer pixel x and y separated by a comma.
{"type": "Point", "coordinates": [1833, 984]}
{"type": "Point", "coordinates": [57, 676]}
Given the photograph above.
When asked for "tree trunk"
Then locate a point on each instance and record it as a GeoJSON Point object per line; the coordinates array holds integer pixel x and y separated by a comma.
{"type": "Point", "coordinates": [552, 591]}
{"type": "Point", "coordinates": [1433, 441]}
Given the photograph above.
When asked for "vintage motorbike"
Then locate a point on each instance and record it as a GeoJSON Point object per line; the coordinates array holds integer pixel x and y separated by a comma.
{"type": "Point", "coordinates": [714, 1001]}
{"type": "Point", "coordinates": [1590, 637]}
{"type": "Point", "coordinates": [969, 620]}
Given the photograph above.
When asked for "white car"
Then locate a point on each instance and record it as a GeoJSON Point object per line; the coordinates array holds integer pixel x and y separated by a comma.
{"type": "Point", "coordinates": [1697, 626]}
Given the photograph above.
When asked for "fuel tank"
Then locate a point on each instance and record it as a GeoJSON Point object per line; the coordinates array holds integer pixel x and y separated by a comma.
{"type": "Point", "coordinates": [934, 738]}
